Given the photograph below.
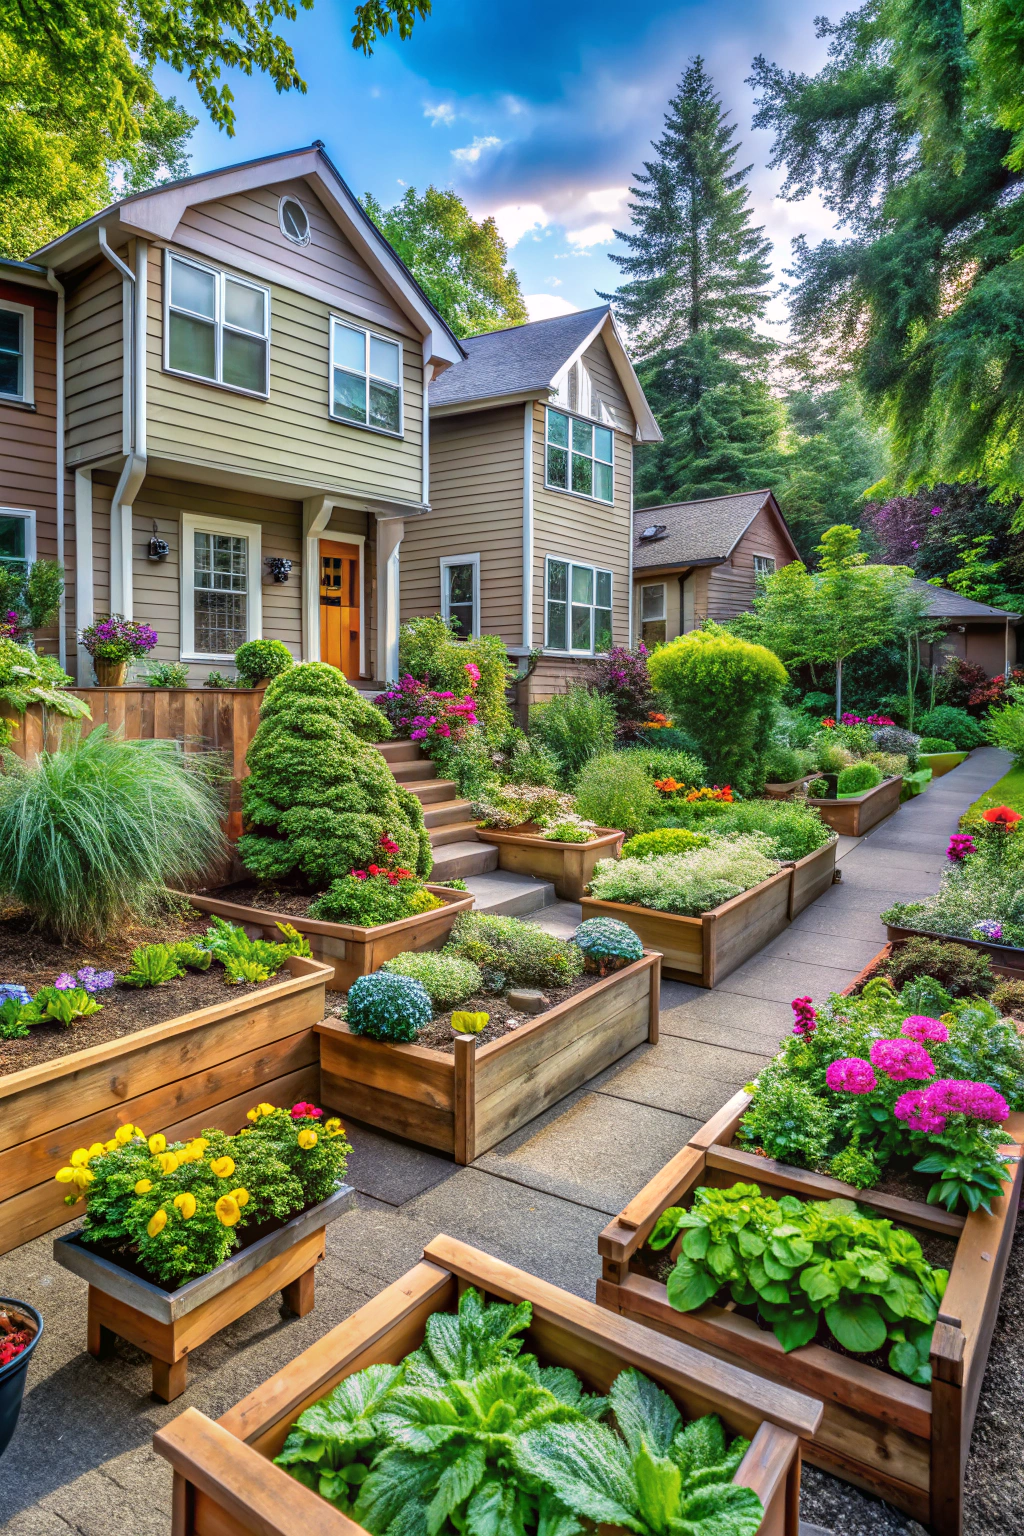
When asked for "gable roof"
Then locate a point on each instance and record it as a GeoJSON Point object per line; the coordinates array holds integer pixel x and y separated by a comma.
{"type": "Point", "coordinates": [157, 212]}
{"type": "Point", "coordinates": [944, 604]}
{"type": "Point", "coordinates": [525, 360]}
{"type": "Point", "coordinates": [701, 532]}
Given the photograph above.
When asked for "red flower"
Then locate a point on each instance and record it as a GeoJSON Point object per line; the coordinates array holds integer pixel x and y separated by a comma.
{"type": "Point", "coordinates": [829, 723]}
{"type": "Point", "coordinates": [1002, 816]}
{"type": "Point", "coordinates": [375, 869]}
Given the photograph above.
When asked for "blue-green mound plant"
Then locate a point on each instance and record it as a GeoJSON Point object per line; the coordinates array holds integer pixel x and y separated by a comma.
{"type": "Point", "coordinates": [388, 1007]}
{"type": "Point", "coordinates": [606, 945]}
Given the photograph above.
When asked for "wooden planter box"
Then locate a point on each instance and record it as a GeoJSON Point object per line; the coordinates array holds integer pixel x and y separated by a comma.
{"type": "Point", "coordinates": [350, 951]}
{"type": "Point", "coordinates": [904, 1443]}
{"type": "Point", "coordinates": [568, 866]}
{"type": "Point", "coordinates": [1005, 959]}
{"type": "Point", "coordinates": [168, 1325]}
{"type": "Point", "coordinates": [466, 1103]}
{"type": "Point", "coordinates": [706, 949]}
{"type": "Point", "coordinates": [202, 1069]}
{"type": "Point", "coordinates": [225, 1483]}
{"type": "Point", "coordinates": [854, 817]}
{"type": "Point", "coordinates": [811, 877]}
{"type": "Point", "coordinates": [941, 762]}
{"type": "Point", "coordinates": [785, 791]}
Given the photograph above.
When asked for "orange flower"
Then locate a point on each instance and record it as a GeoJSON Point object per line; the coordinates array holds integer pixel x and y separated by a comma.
{"type": "Point", "coordinates": [1002, 816]}
{"type": "Point", "coordinates": [668, 786]}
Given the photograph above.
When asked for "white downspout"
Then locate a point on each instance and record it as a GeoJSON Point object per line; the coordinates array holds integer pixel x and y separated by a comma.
{"type": "Point", "coordinates": [62, 618]}
{"type": "Point", "coordinates": [134, 393]}
{"type": "Point", "coordinates": [528, 526]}
{"type": "Point", "coordinates": [633, 640]}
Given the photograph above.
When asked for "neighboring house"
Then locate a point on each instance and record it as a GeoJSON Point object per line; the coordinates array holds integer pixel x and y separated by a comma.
{"type": "Point", "coordinates": [531, 455]}
{"type": "Point", "coordinates": [29, 524]}
{"type": "Point", "coordinates": [697, 560]}
{"type": "Point", "coordinates": [974, 631]}
{"type": "Point", "coordinates": [246, 361]}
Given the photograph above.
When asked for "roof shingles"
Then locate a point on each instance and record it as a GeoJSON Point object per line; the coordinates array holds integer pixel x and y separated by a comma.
{"type": "Point", "coordinates": [519, 361]}
{"type": "Point", "coordinates": [696, 532]}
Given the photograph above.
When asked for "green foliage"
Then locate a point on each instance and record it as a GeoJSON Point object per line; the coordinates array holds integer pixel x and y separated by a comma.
{"type": "Point", "coordinates": [152, 966]}
{"type": "Point", "coordinates": [318, 798]}
{"type": "Point", "coordinates": [65, 1006]}
{"type": "Point", "coordinates": [804, 1262]}
{"type": "Point", "coordinates": [166, 674]}
{"type": "Point", "coordinates": [853, 1165]}
{"type": "Point", "coordinates": [782, 764]}
{"type": "Point", "coordinates": [246, 959]}
{"type": "Point", "coordinates": [858, 779]}
{"type": "Point", "coordinates": [936, 744]}
{"type": "Point", "coordinates": [26, 677]}
{"type": "Point", "coordinates": [34, 594]}
{"type": "Point", "coordinates": [514, 805]}
{"type": "Point", "coordinates": [91, 834]}
{"type": "Point", "coordinates": [1008, 996]}
{"type": "Point", "coordinates": [388, 1007]}
{"type": "Point", "coordinates": [429, 651]}
{"type": "Point", "coordinates": [689, 883]}
{"type": "Point", "coordinates": [616, 790]}
{"type": "Point", "coordinates": [795, 830]}
{"type": "Point", "coordinates": [987, 886]}
{"type": "Point", "coordinates": [511, 953]}
{"type": "Point", "coordinates": [649, 845]}
{"type": "Point", "coordinates": [446, 979]}
{"type": "Point", "coordinates": [954, 724]}
{"type": "Point", "coordinates": [371, 901]}
{"type": "Point", "coordinates": [528, 761]}
{"type": "Point", "coordinates": [461, 265]}
{"type": "Point", "coordinates": [790, 1122]}
{"type": "Point", "coordinates": [1005, 727]}
{"type": "Point", "coordinates": [831, 454]}
{"type": "Point", "coordinates": [960, 971]}
{"type": "Point", "coordinates": [724, 691]}
{"type": "Point", "coordinates": [257, 659]}
{"type": "Point", "coordinates": [665, 762]}
{"type": "Point", "coordinates": [576, 726]}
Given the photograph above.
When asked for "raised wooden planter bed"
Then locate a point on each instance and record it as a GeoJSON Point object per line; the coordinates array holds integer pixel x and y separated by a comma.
{"type": "Point", "coordinates": [168, 1325]}
{"type": "Point", "coordinates": [854, 817]}
{"type": "Point", "coordinates": [905, 1443]}
{"type": "Point", "coordinates": [1007, 960]}
{"type": "Point", "coordinates": [706, 949]}
{"type": "Point", "coordinates": [350, 951]}
{"type": "Point", "coordinates": [941, 762]}
{"type": "Point", "coordinates": [568, 866]}
{"type": "Point", "coordinates": [811, 877]}
{"type": "Point", "coordinates": [202, 1069]}
{"type": "Point", "coordinates": [465, 1103]}
{"type": "Point", "coordinates": [225, 1482]}
{"type": "Point", "coordinates": [785, 791]}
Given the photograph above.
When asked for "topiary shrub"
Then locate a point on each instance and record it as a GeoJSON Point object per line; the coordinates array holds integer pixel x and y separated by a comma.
{"type": "Point", "coordinates": [650, 845]}
{"type": "Point", "coordinates": [782, 765]}
{"type": "Point", "coordinates": [387, 1007]}
{"type": "Point", "coordinates": [448, 979]}
{"type": "Point", "coordinates": [962, 971]}
{"type": "Point", "coordinates": [606, 945]}
{"type": "Point", "coordinates": [511, 953]}
{"type": "Point", "coordinates": [615, 790]}
{"type": "Point", "coordinates": [954, 725]}
{"type": "Point", "coordinates": [858, 779]}
{"type": "Point", "coordinates": [937, 744]}
{"type": "Point", "coordinates": [257, 659]}
{"type": "Point", "coordinates": [318, 799]}
{"type": "Point", "coordinates": [724, 691]}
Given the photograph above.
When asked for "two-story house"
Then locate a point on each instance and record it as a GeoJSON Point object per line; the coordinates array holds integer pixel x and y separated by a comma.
{"type": "Point", "coordinates": [245, 367]}
{"type": "Point", "coordinates": [531, 480]}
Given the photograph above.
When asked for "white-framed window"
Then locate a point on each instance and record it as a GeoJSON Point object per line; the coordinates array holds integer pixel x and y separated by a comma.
{"type": "Point", "coordinates": [293, 220]}
{"type": "Point", "coordinates": [460, 593]}
{"type": "Point", "coordinates": [653, 613]}
{"type": "Point", "coordinates": [578, 607]}
{"type": "Point", "coordinates": [17, 344]}
{"type": "Point", "coordinates": [366, 378]}
{"type": "Point", "coordinates": [17, 538]}
{"type": "Point", "coordinates": [578, 457]}
{"type": "Point", "coordinates": [764, 565]}
{"type": "Point", "coordinates": [216, 327]}
{"type": "Point", "coordinates": [221, 599]}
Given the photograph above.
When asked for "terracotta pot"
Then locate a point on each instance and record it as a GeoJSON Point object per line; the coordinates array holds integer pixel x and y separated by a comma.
{"type": "Point", "coordinates": [109, 674]}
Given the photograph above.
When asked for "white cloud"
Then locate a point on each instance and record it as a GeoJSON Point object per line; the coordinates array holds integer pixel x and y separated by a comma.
{"type": "Point", "coordinates": [544, 306]}
{"type": "Point", "coordinates": [592, 234]}
{"type": "Point", "coordinates": [469, 154]}
{"type": "Point", "coordinates": [607, 199]}
{"type": "Point", "coordinates": [443, 113]}
{"type": "Point", "coordinates": [517, 219]}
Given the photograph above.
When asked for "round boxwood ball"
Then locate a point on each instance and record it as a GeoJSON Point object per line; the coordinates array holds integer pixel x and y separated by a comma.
{"type": "Point", "coordinates": [606, 944]}
{"type": "Point", "coordinates": [388, 1007]}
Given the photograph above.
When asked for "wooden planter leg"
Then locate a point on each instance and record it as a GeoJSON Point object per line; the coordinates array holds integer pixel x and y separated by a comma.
{"type": "Point", "coordinates": [300, 1296]}
{"type": "Point", "coordinates": [99, 1340]}
{"type": "Point", "coordinates": [169, 1378]}
{"type": "Point", "coordinates": [465, 1101]}
{"type": "Point", "coordinates": [948, 1452]}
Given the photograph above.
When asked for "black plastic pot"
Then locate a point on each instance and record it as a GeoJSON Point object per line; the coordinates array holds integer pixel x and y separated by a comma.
{"type": "Point", "coordinates": [12, 1375]}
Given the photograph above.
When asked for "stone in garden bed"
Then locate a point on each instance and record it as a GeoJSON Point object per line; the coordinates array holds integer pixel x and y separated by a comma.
{"type": "Point", "coordinates": [505, 1016]}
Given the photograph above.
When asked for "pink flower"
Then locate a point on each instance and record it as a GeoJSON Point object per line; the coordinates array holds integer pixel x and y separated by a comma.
{"type": "Point", "coordinates": [805, 1019]}
{"type": "Point", "coordinates": [473, 671]}
{"type": "Point", "coordinates": [902, 1060]}
{"type": "Point", "coordinates": [960, 845]}
{"type": "Point", "coordinates": [977, 1101]}
{"type": "Point", "coordinates": [920, 1027]}
{"type": "Point", "coordinates": [303, 1111]}
{"type": "Point", "coordinates": [850, 1074]}
{"type": "Point", "coordinates": [913, 1108]}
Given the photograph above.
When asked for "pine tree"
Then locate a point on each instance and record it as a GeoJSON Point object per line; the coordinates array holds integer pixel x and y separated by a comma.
{"type": "Point", "coordinates": [696, 274]}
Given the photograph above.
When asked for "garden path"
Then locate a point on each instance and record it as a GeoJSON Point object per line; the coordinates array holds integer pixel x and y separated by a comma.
{"type": "Point", "coordinates": [81, 1460]}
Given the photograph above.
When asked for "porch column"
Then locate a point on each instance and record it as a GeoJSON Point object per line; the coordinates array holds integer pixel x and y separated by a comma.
{"type": "Point", "coordinates": [389, 539]}
{"type": "Point", "coordinates": [316, 514]}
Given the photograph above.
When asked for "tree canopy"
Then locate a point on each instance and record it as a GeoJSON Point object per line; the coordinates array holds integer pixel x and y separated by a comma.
{"type": "Point", "coordinates": [833, 455]}
{"type": "Point", "coordinates": [461, 265]}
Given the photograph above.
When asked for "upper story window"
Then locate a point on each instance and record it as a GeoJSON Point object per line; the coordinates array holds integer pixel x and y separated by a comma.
{"type": "Point", "coordinates": [578, 457]}
{"type": "Point", "coordinates": [16, 339]}
{"type": "Point", "coordinates": [578, 607]}
{"type": "Point", "coordinates": [764, 565]}
{"type": "Point", "coordinates": [217, 327]}
{"type": "Point", "coordinates": [294, 220]}
{"type": "Point", "coordinates": [460, 593]}
{"type": "Point", "coordinates": [366, 378]}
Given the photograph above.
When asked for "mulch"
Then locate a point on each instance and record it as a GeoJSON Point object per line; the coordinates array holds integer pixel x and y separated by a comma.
{"type": "Point", "coordinates": [504, 1020]}
{"type": "Point", "coordinates": [291, 901]}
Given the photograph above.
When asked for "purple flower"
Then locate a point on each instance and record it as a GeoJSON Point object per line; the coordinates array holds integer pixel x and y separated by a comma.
{"type": "Point", "coordinates": [65, 982]}
{"type": "Point", "coordinates": [920, 1027]}
{"type": "Point", "coordinates": [913, 1108]}
{"type": "Point", "coordinates": [850, 1074]}
{"type": "Point", "coordinates": [976, 1101]}
{"type": "Point", "coordinates": [960, 845]}
{"type": "Point", "coordinates": [936, 512]}
{"type": "Point", "coordinates": [11, 991]}
{"type": "Point", "coordinates": [902, 1060]}
{"type": "Point", "coordinates": [95, 981]}
{"type": "Point", "coordinates": [988, 929]}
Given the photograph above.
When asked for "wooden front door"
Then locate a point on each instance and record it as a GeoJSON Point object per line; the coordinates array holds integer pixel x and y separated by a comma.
{"type": "Point", "coordinates": [339, 606]}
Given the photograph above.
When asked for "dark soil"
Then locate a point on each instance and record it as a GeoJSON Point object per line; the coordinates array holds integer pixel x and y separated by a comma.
{"type": "Point", "coordinates": [293, 900]}
{"type": "Point", "coordinates": [31, 959]}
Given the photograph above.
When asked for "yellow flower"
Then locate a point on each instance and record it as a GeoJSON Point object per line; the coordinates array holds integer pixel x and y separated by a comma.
{"type": "Point", "coordinates": [241, 1196]}
{"type": "Point", "coordinates": [157, 1222]}
{"type": "Point", "coordinates": [79, 1158]}
{"type": "Point", "coordinates": [144, 1186]}
{"type": "Point", "coordinates": [228, 1210]}
{"type": "Point", "coordinates": [186, 1204]}
{"type": "Point", "coordinates": [110, 1146]}
{"type": "Point", "coordinates": [223, 1167]}
{"type": "Point", "coordinates": [168, 1162]}
{"type": "Point", "coordinates": [65, 1175]}
{"type": "Point", "coordinates": [307, 1139]}
{"type": "Point", "coordinates": [334, 1124]}
{"type": "Point", "coordinates": [124, 1134]}
{"type": "Point", "coordinates": [200, 1143]}
{"type": "Point", "coordinates": [469, 1023]}
{"type": "Point", "coordinates": [193, 1153]}
{"type": "Point", "coordinates": [96, 1150]}
{"type": "Point", "coordinates": [157, 1144]}
{"type": "Point", "coordinates": [83, 1176]}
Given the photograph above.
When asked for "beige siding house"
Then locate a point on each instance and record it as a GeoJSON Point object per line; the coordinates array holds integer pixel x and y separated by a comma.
{"type": "Point", "coordinates": [530, 531]}
{"type": "Point", "coordinates": [245, 365]}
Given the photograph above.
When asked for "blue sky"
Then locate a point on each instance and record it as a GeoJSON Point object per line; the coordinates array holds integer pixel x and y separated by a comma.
{"type": "Point", "coordinates": [537, 113]}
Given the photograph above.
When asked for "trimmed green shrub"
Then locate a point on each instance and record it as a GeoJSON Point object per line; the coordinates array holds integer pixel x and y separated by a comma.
{"type": "Point", "coordinates": [1008, 997]}
{"type": "Point", "coordinates": [724, 691]}
{"type": "Point", "coordinates": [782, 764]}
{"type": "Point", "coordinates": [615, 790]}
{"type": "Point", "coordinates": [661, 762]}
{"type": "Point", "coordinates": [511, 953]}
{"type": "Point", "coordinates": [790, 1122]}
{"type": "Point", "coordinates": [90, 835]}
{"type": "Point", "coordinates": [429, 651]}
{"type": "Point", "coordinates": [606, 944]}
{"type": "Point", "coordinates": [650, 845]}
{"type": "Point", "coordinates": [257, 659]}
{"type": "Point", "coordinates": [831, 756]}
{"type": "Point", "coordinates": [372, 900]}
{"type": "Point", "coordinates": [576, 726]}
{"type": "Point", "coordinates": [689, 883]}
{"type": "Point", "coordinates": [447, 978]}
{"type": "Point", "coordinates": [318, 799]}
{"type": "Point", "coordinates": [937, 744]}
{"type": "Point", "coordinates": [387, 1007]}
{"type": "Point", "coordinates": [954, 725]}
{"type": "Point", "coordinates": [962, 971]}
{"type": "Point", "coordinates": [858, 779]}
{"type": "Point", "coordinates": [795, 829]}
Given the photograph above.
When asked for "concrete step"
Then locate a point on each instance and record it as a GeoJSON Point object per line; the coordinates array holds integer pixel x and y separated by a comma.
{"type": "Point", "coordinates": [446, 811]}
{"type": "Point", "coordinates": [453, 832]}
{"type": "Point", "coordinates": [431, 791]}
{"type": "Point", "coordinates": [457, 861]}
{"type": "Point", "coordinates": [561, 919]}
{"type": "Point", "coordinates": [401, 751]}
{"type": "Point", "coordinates": [507, 895]}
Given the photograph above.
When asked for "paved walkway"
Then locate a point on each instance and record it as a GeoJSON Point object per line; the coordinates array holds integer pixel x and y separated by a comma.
{"type": "Point", "coordinates": [81, 1460]}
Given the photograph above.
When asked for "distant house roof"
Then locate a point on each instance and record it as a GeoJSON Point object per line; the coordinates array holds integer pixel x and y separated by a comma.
{"type": "Point", "coordinates": [698, 532]}
{"type": "Point", "coordinates": [525, 360]}
{"type": "Point", "coordinates": [944, 604]}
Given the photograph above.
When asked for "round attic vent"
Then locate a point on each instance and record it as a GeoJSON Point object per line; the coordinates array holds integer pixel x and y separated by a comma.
{"type": "Point", "coordinates": [293, 220]}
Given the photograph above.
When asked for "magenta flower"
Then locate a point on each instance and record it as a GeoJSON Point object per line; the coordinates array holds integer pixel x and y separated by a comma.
{"type": "Point", "coordinates": [915, 1111]}
{"type": "Point", "coordinates": [472, 671]}
{"type": "Point", "coordinates": [850, 1074]}
{"type": "Point", "coordinates": [920, 1027]}
{"type": "Point", "coordinates": [960, 845]}
{"type": "Point", "coordinates": [304, 1111]}
{"type": "Point", "coordinates": [988, 929]}
{"type": "Point", "coordinates": [805, 1019]}
{"type": "Point", "coordinates": [976, 1101]}
{"type": "Point", "coordinates": [65, 981]}
{"type": "Point", "coordinates": [902, 1060]}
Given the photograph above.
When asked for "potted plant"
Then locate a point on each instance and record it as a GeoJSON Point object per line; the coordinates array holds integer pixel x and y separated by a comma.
{"type": "Point", "coordinates": [258, 661]}
{"type": "Point", "coordinates": [113, 643]}
{"type": "Point", "coordinates": [181, 1238]}
{"type": "Point", "coordinates": [21, 1328]}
